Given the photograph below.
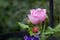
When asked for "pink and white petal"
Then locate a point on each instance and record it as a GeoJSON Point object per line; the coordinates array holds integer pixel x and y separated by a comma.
{"type": "Point", "coordinates": [33, 19]}
{"type": "Point", "coordinates": [38, 9]}
{"type": "Point", "coordinates": [32, 11]}
{"type": "Point", "coordinates": [42, 17]}
{"type": "Point", "coordinates": [44, 10]}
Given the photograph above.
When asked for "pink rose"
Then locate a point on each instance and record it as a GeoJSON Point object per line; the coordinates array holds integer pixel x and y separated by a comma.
{"type": "Point", "coordinates": [37, 16]}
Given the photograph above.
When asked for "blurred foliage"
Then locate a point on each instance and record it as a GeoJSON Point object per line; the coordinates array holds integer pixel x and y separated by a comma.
{"type": "Point", "coordinates": [12, 11]}
{"type": "Point", "coordinates": [56, 11]}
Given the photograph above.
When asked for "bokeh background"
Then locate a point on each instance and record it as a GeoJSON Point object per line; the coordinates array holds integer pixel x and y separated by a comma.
{"type": "Point", "coordinates": [12, 11]}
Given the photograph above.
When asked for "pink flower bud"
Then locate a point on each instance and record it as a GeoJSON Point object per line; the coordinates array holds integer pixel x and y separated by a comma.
{"type": "Point", "coordinates": [37, 16]}
{"type": "Point", "coordinates": [35, 29]}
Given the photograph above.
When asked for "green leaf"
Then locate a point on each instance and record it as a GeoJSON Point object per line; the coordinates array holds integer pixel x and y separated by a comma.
{"type": "Point", "coordinates": [49, 31]}
{"type": "Point", "coordinates": [57, 28]}
{"type": "Point", "coordinates": [30, 31]}
{"type": "Point", "coordinates": [23, 25]}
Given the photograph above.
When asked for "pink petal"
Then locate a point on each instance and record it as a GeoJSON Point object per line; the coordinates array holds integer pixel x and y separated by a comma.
{"type": "Point", "coordinates": [32, 11]}
{"type": "Point", "coordinates": [33, 19]}
{"type": "Point", "coordinates": [38, 9]}
{"type": "Point", "coordinates": [43, 11]}
{"type": "Point", "coordinates": [42, 17]}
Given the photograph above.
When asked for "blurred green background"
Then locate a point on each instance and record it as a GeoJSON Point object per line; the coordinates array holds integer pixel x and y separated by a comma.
{"type": "Point", "coordinates": [12, 11]}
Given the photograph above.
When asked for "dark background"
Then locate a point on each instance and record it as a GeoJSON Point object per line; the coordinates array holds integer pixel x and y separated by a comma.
{"type": "Point", "coordinates": [12, 11]}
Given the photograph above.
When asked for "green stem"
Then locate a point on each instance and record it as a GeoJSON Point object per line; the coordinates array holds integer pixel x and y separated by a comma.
{"type": "Point", "coordinates": [42, 32]}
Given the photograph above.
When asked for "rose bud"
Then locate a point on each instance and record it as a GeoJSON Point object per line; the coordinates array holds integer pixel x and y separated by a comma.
{"type": "Point", "coordinates": [37, 16]}
{"type": "Point", "coordinates": [35, 29]}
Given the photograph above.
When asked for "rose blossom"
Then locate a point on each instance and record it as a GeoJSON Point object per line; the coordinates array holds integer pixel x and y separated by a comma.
{"type": "Point", "coordinates": [37, 16]}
